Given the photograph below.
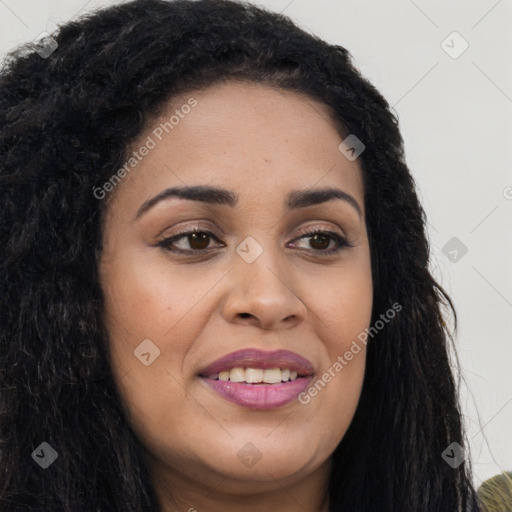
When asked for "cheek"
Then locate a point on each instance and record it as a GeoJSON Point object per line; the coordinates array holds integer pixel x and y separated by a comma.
{"type": "Point", "coordinates": [143, 299]}
{"type": "Point", "coordinates": [150, 331]}
{"type": "Point", "coordinates": [343, 304]}
{"type": "Point", "coordinates": [343, 315]}
{"type": "Point", "coordinates": [147, 316]}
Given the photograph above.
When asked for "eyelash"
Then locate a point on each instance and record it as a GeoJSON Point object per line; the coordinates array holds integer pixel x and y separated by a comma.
{"type": "Point", "coordinates": [342, 242]}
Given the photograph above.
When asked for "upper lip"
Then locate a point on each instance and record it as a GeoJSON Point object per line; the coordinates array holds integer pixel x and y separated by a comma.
{"type": "Point", "coordinates": [255, 358]}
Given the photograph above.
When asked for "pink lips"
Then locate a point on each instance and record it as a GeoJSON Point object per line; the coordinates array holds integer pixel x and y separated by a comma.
{"type": "Point", "coordinates": [260, 396]}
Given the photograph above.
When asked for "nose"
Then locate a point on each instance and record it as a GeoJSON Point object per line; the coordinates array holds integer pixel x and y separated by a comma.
{"type": "Point", "coordinates": [261, 294]}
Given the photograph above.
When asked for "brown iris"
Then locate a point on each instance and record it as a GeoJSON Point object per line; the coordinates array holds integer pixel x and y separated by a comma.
{"type": "Point", "coordinates": [314, 239]}
{"type": "Point", "coordinates": [201, 238]}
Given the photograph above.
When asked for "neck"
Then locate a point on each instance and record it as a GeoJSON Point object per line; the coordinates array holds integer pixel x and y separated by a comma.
{"type": "Point", "coordinates": [205, 491]}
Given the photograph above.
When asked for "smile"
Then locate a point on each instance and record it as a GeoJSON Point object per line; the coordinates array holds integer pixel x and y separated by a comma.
{"type": "Point", "coordinates": [259, 379]}
{"type": "Point", "coordinates": [255, 375]}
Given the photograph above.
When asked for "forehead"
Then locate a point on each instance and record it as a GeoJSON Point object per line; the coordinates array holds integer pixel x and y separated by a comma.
{"type": "Point", "coordinates": [243, 136]}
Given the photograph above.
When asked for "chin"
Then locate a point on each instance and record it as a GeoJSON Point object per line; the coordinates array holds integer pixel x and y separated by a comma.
{"type": "Point", "coordinates": [260, 458]}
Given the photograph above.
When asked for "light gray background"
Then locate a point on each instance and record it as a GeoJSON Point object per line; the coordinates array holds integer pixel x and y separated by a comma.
{"type": "Point", "coordinates": [456, 119]}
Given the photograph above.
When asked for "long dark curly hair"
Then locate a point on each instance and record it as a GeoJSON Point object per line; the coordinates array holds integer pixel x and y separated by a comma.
{"type": "Point", "coordinates": [66, 124]}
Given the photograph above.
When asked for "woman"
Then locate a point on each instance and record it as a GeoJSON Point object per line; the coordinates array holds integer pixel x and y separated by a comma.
{"type": "Point", "coordinates": [215, 284]}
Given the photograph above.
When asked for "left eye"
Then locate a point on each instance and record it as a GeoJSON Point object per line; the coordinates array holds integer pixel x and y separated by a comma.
{"type": "Point", "coordinates": [319, 237]}
{"type": "Point", "coordinates": [198, 241]}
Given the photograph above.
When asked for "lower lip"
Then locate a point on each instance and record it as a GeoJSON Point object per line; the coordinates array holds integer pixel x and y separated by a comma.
{"type": "Point", "coordinates": [260, 396]}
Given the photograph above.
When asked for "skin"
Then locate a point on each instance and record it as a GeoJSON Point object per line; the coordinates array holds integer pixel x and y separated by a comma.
{"type": "Point", "coordinates": [261, 143]}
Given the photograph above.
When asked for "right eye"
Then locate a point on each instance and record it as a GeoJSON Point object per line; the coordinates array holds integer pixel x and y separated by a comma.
{"type": "Point", "coordinates": [197, 240]}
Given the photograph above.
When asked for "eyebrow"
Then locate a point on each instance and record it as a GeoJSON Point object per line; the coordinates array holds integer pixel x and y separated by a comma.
{"type": "Point", "coordinates": [214, 195]}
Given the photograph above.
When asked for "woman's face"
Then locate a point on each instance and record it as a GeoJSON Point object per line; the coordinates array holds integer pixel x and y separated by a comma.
{"type": "Point", "coordinates": [260, 285]}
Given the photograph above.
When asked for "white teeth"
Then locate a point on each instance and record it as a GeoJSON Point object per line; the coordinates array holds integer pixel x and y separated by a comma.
{"type": "Point", "coordinates": [272, 375]}
{"type": "Point", "coordinates": [256, 375]}
{"type": "Point", "coordinates": [224, 375]}
{"type": "Point", "coordinates": [237, 375]}
{"type": "Point", "coordinates": [253, 375]}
